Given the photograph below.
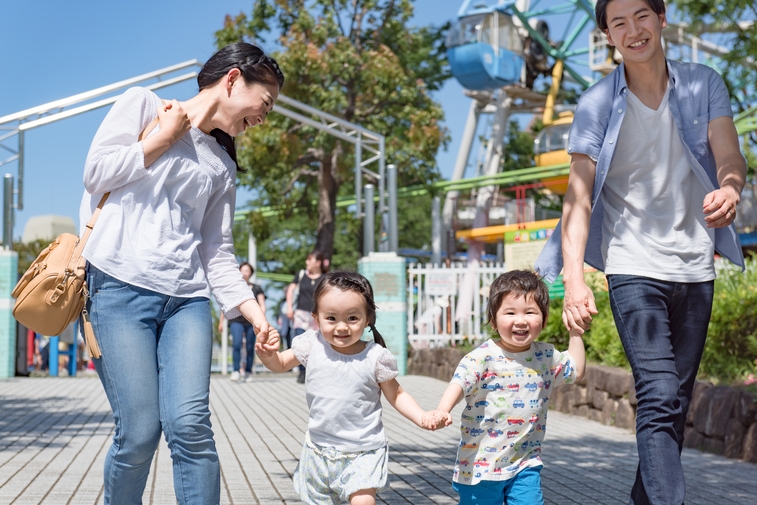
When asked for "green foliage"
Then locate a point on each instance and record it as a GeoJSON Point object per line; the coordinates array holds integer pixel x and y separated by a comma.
{"type": "Point", "coordinates": [519, 148]}
{"type": "Point", "coordinates": [28, 252]}
{"type": "Point", "coordinates": [358, 60]}
{"type": "Point", "coordinates": [731, 348]}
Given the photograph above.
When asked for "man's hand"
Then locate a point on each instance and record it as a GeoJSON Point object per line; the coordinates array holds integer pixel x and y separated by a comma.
{"type": "Point", "coordinates": [267, 347]}
{"type": "Point", "coordinates": [720, 207]}
{"type": "Point", "coordinates": [578, 306]}
{"type": "Point", "coordinates": [435, 419]}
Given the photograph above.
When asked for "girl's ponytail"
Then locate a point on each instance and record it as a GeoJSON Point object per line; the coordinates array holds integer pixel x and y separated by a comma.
{"type": "Point", "coordinates": [377, 336]}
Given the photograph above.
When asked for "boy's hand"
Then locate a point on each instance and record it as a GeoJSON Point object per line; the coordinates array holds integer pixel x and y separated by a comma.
{"type": "Point", "coordinates": [269, 346]}
{"type": "Point", "coordinates": [436, 419]}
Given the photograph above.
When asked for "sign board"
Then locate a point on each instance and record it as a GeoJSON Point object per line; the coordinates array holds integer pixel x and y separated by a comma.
{"type": "Point", "coordinates": [441, 283]}
{"type": "Point", "coordinates": [522, 247]}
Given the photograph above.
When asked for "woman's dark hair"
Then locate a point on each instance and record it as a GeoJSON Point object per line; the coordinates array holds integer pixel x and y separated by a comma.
{"type": "Point", "coordinates": [321, 256]}
{"type": "Point", "coordinates": [600, 10]}
{"type": "Point", "coordinates": [254, 65]}
{"type": "Point", "coordinates": [350, 281]}
{"type": "Point", "coordinates": [518, 283]}
{"type": "Point", "coordinates": [252, 268]}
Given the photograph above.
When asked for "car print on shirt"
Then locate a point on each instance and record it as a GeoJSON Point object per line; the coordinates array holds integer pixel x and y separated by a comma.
{"type": "Point", "coordinates": [512, 434]}
{"type": "Point", "coordinates": [474, 432]}
{"type": "Point", "coordinates": [531, 386]}
{"type": "Point", "coordinates": [534, 419]}
{"type": "Point", "coordinates": [481, 463]}
{"type": "Point", "coordinates": [513, 387]}
{"type": "Point", "coordinates": [534, 403]}
{"type": "Point", "coordinates": [472, 445]}
{"type": "Point", "coordinates": [515, 420]}
{"type": "Point", "coordinates": [501, 402]}
{"type": "Point", "coordinates": [495, 433]}
{"type": "Point", "coordinates": [494, 386]}
{"type": "Point", "coordinates": [488, 375]}
{"type": "Point", "coordinates": [539, 355]}
{"type": "Point", "coordinates": [518, 404]}
{"type": "Point", "coordinates": [547, 383]}
{"type": "Point", "coordinates": [481, 403]}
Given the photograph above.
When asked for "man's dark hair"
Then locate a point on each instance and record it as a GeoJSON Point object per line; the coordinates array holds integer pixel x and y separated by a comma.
{"type": "Point", "coordinates": [518, 283]}
{"type": "Point", "coordinates": [658, 6]}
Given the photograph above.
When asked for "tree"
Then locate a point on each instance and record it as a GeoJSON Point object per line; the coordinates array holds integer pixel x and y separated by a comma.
{"type": "Point", "coordinates": [358, 60]}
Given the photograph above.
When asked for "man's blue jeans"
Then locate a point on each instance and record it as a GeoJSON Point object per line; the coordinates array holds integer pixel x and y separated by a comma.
{"type": "Point", "coordinates": [663, 327]}
{"type": "Point", "coordinates": [241, 331]}
{"type": "Point", "coordinates": [155, 368]}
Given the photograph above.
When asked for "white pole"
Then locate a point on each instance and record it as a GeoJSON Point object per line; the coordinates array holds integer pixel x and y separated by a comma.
{"type": "Point", "coordinates": [225, 347]}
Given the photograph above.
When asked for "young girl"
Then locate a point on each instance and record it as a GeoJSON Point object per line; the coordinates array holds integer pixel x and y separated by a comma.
{"type": "Point", "coordinates": [345, 455]}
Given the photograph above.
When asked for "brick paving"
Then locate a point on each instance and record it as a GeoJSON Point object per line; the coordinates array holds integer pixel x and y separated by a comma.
{"type": "Point", "coordinates": [54, 434]}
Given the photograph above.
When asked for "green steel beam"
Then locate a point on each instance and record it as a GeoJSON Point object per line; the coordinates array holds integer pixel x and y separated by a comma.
{"type": "Point", "coordinates": [273, 276]}
{"type": "Point", "coordinates": [572, 37]}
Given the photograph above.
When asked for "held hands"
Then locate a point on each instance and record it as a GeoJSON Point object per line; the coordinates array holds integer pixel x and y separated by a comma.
{"type": "Point", "coordinates": [720, 207]}
{"type": "Point", "coordinates": [578, 306]}
{"type": "Point", "coordinates": [435, 419]}
{"type": "Point", "coordinates": [174, 122]}
{"type": "Point", "coordinates": [268, 346]}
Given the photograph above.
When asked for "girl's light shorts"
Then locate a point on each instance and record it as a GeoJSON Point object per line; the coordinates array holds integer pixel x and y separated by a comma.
{"type": "Point", "coordinates": [326, 476]}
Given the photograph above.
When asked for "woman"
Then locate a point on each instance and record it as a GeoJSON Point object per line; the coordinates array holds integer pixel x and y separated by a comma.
{"type": "Point", "coordinates": [299, 311]}
{"type": "Point", "coordinates": [241, 328]}
{"type": "Point", "coordinates": [161, 245]}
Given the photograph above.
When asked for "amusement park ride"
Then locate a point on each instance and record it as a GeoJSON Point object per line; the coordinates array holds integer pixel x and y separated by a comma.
{"type": "Point", "coordinates": [502, 53]}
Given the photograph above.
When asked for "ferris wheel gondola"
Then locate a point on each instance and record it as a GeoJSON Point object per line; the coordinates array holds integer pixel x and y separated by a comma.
{"type": "Point", "coordinates": [485, 50]}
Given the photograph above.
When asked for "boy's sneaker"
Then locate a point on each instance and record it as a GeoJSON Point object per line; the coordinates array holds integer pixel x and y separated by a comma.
{"type": "Point", "coordinates": [301, 377]}
{"type": "Point", "coordinates": [248, 378]}
{"type": "Point", "coordinates": [234, 376]}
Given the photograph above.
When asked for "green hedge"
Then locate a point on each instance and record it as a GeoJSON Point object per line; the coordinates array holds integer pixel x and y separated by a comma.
{"type": "Point", "coordinates": [731, 351]}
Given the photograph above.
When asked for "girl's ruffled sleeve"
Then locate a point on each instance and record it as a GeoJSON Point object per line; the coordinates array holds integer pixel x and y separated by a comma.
{"type": "Point", "coordinates": [302, 344]}
{"type": "Point", "coordinates": [386, 366]}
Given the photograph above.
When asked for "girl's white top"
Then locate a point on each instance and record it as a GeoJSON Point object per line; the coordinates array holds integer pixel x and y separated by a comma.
{"type": "Point", "coordinates": [167, 227]}
{"type": "Point", "coordinates": [343, 392]}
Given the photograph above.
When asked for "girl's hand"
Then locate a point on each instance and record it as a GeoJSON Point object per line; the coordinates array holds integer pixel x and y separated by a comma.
{"type": "Point", "coordinates": [174, 122]}
{"type": "Point", "coordinates": [270, 345]}
{"type": "Point", "coordinates": [436, 419]}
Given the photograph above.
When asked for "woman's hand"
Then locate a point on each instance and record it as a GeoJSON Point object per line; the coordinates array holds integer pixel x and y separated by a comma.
{"type": "Point", "coordinates": [174, 122]}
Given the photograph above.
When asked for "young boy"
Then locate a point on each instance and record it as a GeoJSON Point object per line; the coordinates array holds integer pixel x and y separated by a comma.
{"type": "Point", "coordinates": [506, 384]}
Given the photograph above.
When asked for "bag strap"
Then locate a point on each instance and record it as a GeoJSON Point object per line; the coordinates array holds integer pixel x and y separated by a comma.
{"type": "Point", "coordinates": [91, 224]}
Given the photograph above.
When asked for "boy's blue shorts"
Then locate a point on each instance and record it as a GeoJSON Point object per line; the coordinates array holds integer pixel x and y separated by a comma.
{"type": "Point", "coordinates": [523, 489]}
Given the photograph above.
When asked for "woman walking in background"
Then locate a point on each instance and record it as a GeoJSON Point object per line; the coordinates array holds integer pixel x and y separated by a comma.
{"type": "Point", "coordinates": [300, 297]}
{"type": "Point", "coordinates": [162, 243]}
{"type": "Point", "coordinates": [242, 329]}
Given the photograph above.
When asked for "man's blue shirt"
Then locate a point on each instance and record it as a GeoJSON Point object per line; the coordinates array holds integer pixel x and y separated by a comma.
{"type": "Point", "coordinates": [697, 96]}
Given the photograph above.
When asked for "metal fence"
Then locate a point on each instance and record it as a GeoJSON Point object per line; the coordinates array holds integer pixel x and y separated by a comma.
{"type": "Point", "coordinates": [447, 305]}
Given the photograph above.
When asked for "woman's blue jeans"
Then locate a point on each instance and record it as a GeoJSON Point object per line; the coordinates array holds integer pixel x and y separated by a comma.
{"type": "Point", "coordinates": [241, 331]}
{"type": "Point", "coordinates": [663, 327]}
{"type": "Point", "coordinates": [155, 368]}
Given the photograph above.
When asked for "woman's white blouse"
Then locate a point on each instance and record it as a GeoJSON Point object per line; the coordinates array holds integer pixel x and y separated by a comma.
{"type": "Point", "coordinates": [167, 227]}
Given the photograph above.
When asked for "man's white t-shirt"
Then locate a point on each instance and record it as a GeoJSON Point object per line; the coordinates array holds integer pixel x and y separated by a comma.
{"type": "Point", "coordinates": [654, 224]}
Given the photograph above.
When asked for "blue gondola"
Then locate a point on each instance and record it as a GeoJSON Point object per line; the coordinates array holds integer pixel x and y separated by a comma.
{"type": "Point", "coordinates": [484, 48]}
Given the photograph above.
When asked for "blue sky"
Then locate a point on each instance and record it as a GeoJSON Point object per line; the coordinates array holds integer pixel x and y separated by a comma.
{"type": "Point", "coordinates": [53, 49]}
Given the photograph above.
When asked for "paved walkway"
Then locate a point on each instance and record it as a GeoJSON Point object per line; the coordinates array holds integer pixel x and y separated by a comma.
{"type": "Point", "coordinates": [54, 434]}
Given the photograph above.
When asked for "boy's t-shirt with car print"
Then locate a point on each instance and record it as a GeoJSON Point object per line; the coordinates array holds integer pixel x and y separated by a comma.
{"type": "Point", "coordinates": [505, 417]}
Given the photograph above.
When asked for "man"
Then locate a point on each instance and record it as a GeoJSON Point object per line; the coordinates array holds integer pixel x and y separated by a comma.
{"type": "Point", "coordinates": [655, 177]}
